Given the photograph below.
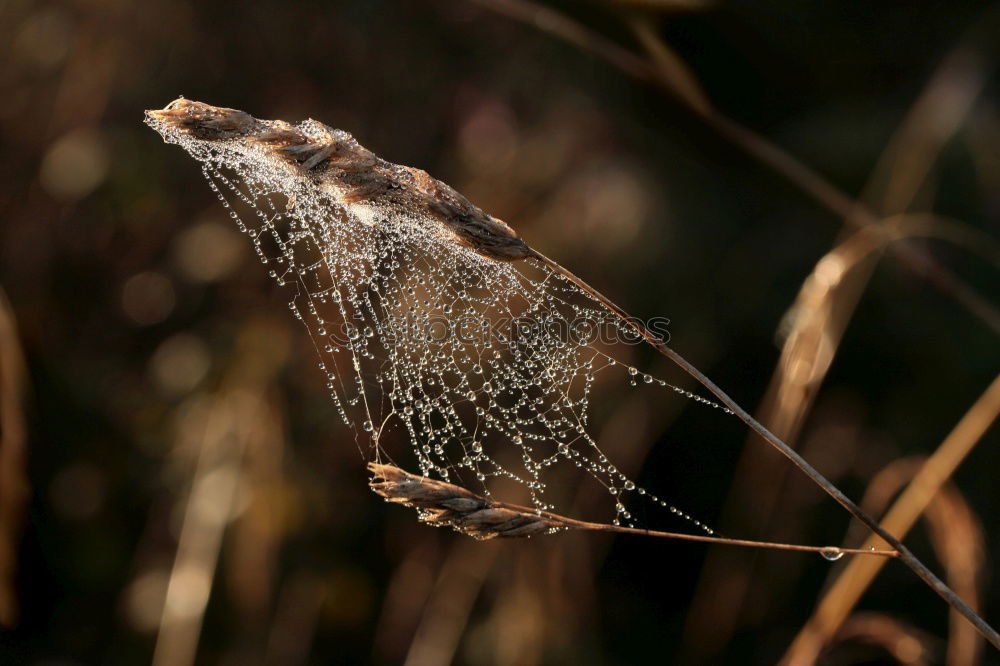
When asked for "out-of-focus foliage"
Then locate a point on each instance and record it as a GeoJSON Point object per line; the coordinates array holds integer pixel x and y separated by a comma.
{"type": "Point", "coordinates": [180, 435]}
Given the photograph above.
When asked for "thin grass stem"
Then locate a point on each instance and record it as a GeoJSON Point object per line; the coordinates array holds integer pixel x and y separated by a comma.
{"type": "Point", "coordinates": [821, 190]}
{"type": "Point", "coordinates": [905, 555]}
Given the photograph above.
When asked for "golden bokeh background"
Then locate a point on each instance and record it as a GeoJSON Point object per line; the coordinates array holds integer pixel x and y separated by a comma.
{"type": "Point", "coordinates": [174, 486]}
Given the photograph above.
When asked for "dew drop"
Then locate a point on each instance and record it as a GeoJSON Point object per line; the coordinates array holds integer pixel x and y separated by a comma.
{"type": "Point", "coordinates": [831, 554]}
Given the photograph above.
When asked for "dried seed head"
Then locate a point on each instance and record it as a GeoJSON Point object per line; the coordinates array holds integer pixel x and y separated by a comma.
{"type": "Point", "coordinates": [442, 503]}
{"type": "Point", "coordinates": [384, 251]}
{"type": "Point", "coordinates": [334, 160]}
{"type": "Point", "coordinates": [205, 122]}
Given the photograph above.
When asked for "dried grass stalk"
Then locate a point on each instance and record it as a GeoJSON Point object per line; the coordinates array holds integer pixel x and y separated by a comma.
{"type": "Point", "coordinates": [846, 590]}
{"type": "Point", "coordinates": [445, 504]}
{"type": "Point", "coordinates": [336, 162]}
{"type": "Point", "coordinates": [15, 488]}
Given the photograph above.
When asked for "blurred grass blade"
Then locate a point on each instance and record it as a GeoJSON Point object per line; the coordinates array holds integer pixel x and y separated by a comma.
{"type": "Point", "coordinates": [855, 578]}
{"type": "Point", "coordinates": [906, 644]}
{"type": "Point", "coordinates": [855, 213]}
{"type": "Point", "coordinates": [665, 6]}
{"type": "Point", "coordinates": [209, 505]}
{"type": "Point", "coordinates": [671, 69]}
{"type": "Point", "coordinates": [15, 488]}
{"type": "Point", "coordinates": [957, 537]}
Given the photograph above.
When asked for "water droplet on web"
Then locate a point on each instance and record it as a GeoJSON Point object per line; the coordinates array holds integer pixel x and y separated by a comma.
{"type": "Point", "coordinates": [373, 281]}
{"type": "Point", "coordinates": [831, 554]}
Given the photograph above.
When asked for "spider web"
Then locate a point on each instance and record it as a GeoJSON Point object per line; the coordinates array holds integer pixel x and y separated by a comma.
{"type": "Point", "coordinates": [485, 367]}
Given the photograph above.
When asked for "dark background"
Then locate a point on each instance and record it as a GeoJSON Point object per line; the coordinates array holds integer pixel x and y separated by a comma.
{"type": "Point", "coordinates": [143, 317]}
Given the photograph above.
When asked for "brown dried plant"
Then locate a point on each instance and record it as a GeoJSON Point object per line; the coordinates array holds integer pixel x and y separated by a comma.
{"type": "Point", "coordinates": [446, 504]}
{"type": "Point", "coordinates": [818, 319]}
{"type": "Point", "coordinates": [15, 489]}
{"type": "Point", "coordinates": [335, 162]}
{"type": "Point", "coordinates": [923, 490]}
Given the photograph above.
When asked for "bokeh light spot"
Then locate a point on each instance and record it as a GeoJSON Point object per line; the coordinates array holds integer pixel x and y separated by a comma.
{"type": "Point", "coordinates": [148, 298]}
{"type": "Point", "coordinates": [208, 252]}
{"type": "Point", "coordinates": [75, 164]}
{"type": "Point", "coordinates": [180, 363]}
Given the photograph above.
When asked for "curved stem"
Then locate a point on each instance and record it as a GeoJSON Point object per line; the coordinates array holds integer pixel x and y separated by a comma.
{"type": "Point", "coordinates": [821, 190]}
{"type": "Point", "coordinates": [905, 555]}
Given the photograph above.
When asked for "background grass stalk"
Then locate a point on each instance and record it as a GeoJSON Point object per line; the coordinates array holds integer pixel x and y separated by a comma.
{"type": "Point", "coordinates": [905, 554]}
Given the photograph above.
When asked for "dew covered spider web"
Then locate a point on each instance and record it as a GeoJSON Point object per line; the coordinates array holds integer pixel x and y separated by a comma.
{"type": "Point", "coordinates": [484, 367]}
